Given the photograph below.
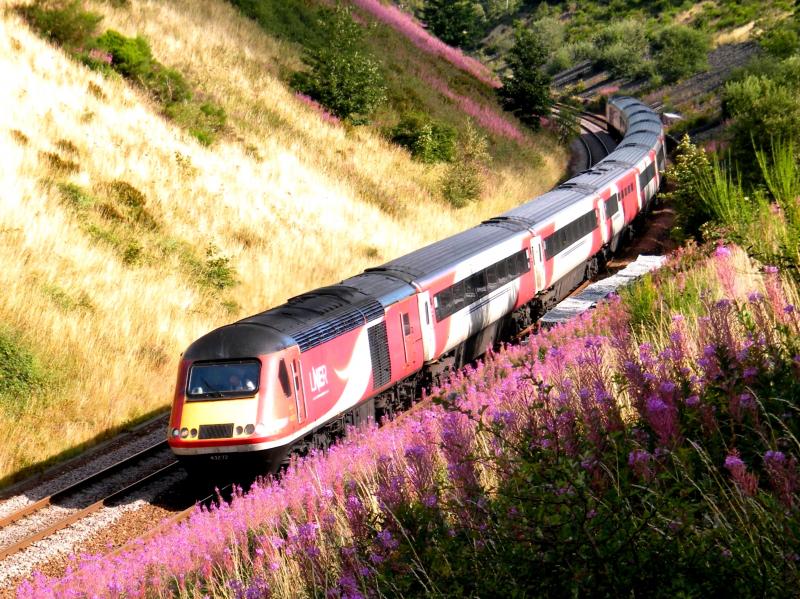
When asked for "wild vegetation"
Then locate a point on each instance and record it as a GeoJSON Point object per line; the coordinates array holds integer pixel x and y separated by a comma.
{"type": "Point", "coordinates": [123, 236]}
{"type": "Point", "coordinates": [570, 465]}
{"type": "Point", "coordinates": [662, 426]}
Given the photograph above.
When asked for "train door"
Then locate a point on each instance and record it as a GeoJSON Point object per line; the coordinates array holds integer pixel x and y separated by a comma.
{"type": "Point", "coordinates": [426, 326]}
{"type": "Point", "coordinates": [600, 213]}
{"type": "Point", "coordinates": [412, 340]}
{"type": "Point", "coordinates": [299, 393]}
{"type": "Point", "coordinates": [537, 255]}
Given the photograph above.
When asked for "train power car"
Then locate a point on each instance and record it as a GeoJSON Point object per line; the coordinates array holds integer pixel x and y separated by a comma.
{"type": "Point", "coordinates": [293, 377]}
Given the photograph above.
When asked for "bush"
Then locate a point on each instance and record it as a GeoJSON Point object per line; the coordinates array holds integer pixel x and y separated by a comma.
{"type": "Point", "coordinates": [427, 140]}
{"type": "Point", "coordinates": [782, 41]}
{"type": "Point", "coordinates": [133, 202]}
{"type": "Point", "coordinates": [679, 51]}
{"type": "Point", "coordinates": [69, 26]}
{"type": "Point", "coordinates": [133, 59]}
{"type": "Point", "coordinates": [341, 76]}
{"type": "Point", "coordinates": [761, 108]}
{"type": "Point", "coordinates": [216, 271]}
{"type": "Point", "coordinates": [463, 181]}
{"type": "Point", "coordinates": [690, 166]}
{"type": "Point", "coordinates": [622, 48]}
{"type": "Point", "coordinates": [20, 372]}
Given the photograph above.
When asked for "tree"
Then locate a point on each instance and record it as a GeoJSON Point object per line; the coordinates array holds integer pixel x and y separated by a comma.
{"type": "Point", "coordinates": [463, 181]}
{"type": "Point", "coordinates": [679, 51]}
{"type": "Point", "coordinates": [526, 88]}
{"type": "Point", "coordinates": [342, 76]}
{"type": "Point", "coordinates": [456, 22]}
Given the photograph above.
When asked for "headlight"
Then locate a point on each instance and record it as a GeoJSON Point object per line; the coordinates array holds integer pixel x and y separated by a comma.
{"type": "Point", "coordinates": [176, 432]}
{"type": "Point", "coordinates": [184, 433]}
{"type": "Point", "coordinates": [249, 429]}
{"type": "Point", "coordinates": [193, 432]}
{"type": "Point", "coordinates": [260, 428]}
{"type": "Point", "coordinates": [239, 430]}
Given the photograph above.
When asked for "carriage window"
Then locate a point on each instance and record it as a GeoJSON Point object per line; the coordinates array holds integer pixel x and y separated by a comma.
{"type": "Point", "coordinates": [223, 380]}
{"type": "Point", "coordinates": [612, 206]}
{"type": "Point", "coordinates": [480, 284]}
{"type": "Point", "coordinates": [458, 295]}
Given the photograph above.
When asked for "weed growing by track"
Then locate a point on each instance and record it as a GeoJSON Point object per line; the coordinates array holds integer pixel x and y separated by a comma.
{"type": "Point", "coordinates": [570, 465]}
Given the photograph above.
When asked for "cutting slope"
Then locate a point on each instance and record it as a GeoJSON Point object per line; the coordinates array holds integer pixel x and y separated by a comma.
{"type": "Point", "coordinates": [284, 201]}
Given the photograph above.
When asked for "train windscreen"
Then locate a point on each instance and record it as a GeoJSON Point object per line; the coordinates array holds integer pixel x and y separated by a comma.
{"type": "Point", "coordinates": [223, 380]}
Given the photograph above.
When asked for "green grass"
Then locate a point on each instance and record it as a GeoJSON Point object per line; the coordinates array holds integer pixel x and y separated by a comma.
{"type": "Point", "coordinates": [22, 374]}
{"type": "Point", "coordinates": [116, 214]}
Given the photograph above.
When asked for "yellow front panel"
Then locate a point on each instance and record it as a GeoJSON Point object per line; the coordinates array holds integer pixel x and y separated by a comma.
{"type": "Point", "coordinates": [239, 411]}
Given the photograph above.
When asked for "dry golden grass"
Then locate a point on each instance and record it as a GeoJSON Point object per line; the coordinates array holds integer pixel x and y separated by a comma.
{"type": "Point", "coordinates": [293, 201]}
{"type": "Point", "coordinates": [735, 36]}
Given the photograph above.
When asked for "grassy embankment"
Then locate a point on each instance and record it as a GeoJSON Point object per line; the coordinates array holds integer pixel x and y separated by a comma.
{"type": "Point", "coordinates": [121, 234]}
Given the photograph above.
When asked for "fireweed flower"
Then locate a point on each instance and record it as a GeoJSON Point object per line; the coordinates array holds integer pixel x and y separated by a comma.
{"type": "Point", "coordinates": [746, 482]}
{"type": "Point", "coordinates": [640, 462]}
{"type": "Point", "coordinates": [783, 476]}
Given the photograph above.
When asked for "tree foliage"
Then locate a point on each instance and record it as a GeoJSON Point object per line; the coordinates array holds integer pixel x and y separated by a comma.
{"type": "Point", "coordinates": [679, 51]}
{"type": "Point", "coordinates": [690, 167]}
{"type": "Point", "coordinates": [456, 22]}
{"type": "Point", "coordinates": [526, 88]}
{"type": "Point", "coordinates": [762, 108]}
{"type": "Point", "coordinates": [427, 140]}
{"type": "Point", "coordinates": [342, 76]}
{"type": "Point", "coordinates": [463, 181]}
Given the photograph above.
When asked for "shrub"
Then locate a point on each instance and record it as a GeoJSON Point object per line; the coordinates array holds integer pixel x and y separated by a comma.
{"type": "Point", "coordinates": [58, 164]}
{"type": "Point", "coordinates": [762, 108]}
{"type": "Point", "coordinates": [341, 76]}
{"type": "Point", "coordinates": [679, 51]}
{"type": "Point", "coordinates": [68, 26]}
{"type": "Point", "coordinates": [427, 140]}
{"type": "Point", "coordinates": [75, 196]}
{"type": "Point", "coordinates": [690, 166]}
{"type": "Point", "coordinates": [622, 48]}
{"type": "Point", "coordinates": [20, 372]}
{"type": "Point", "coordinates": [463, 181]}
{"type": "Point", "coordinates": [133, 202]}
{"type": "Point", "coordinates": [216, 271]}
{"type": "Point", "coordinates": [781, 41]}
{"type": "Point", "coordinates": [133, 59]}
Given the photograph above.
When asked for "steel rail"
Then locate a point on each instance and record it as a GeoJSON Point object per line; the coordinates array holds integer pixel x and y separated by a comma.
{"type": "Point", "coordinates": [82, 513]}
{"type": "Point", "coordinates": [77, 486]}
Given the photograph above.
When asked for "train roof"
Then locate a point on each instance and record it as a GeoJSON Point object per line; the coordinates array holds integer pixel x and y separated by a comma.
{"type": "Point", "coordinates": [443, 254]}
{"type": "Point", "coordinates": [306, 320]}
{"type": "Point", "coordinates": [623, 102]}
{"type": "Point", "coordinates": [647, 126]}
{"type": "Point", "coordinates": [600, 175]}
{"type": "Point", "coordinates": [546, 205]}
{"type": "Point", "coordinates": [643, 138]}
{"type": "Point", "coordinates": [627, 155]}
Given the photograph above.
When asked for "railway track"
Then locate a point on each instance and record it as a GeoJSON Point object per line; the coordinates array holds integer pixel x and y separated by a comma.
{"type": "Point", "coordinates": [42, 518]}
{"type": "Point", "coordinates": [595, 139]}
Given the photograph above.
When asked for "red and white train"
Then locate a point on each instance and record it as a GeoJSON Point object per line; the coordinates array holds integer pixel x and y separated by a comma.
{"type": "Point", "coordinates": [294, 376]}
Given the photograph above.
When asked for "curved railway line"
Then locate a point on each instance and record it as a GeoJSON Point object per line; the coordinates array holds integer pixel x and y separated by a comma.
{"type": "Point", "coordinates": [103, 488]}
